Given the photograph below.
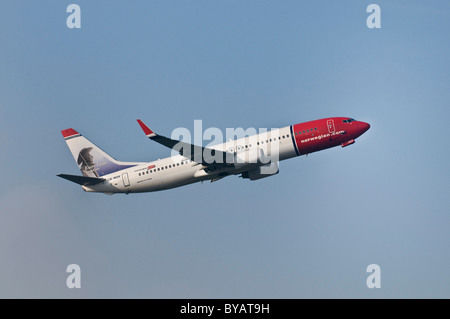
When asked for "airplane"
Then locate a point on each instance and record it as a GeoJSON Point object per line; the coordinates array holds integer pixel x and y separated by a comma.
{"type": "Point", "coordinates": [253, 157]}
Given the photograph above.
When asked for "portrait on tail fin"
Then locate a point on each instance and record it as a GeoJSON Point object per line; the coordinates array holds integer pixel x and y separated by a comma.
{"type": "Point", "coordinates": [86, 163]}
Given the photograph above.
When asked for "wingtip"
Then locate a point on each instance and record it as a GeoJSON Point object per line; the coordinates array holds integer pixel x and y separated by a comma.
{"type": "Point", "coordinates": [146, 129]}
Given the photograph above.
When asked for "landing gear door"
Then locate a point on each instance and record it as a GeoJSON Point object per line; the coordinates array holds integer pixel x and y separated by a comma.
{"type": "Point", "coordinates": [330, 124]}
{"type": "Point", "coordinates": [126, 181]}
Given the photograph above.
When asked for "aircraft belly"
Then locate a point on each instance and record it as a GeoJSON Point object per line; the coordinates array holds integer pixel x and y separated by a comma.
{"type": "Point", "coordinates": [287, 150]}
{"type": "Point", "coordinates": [167, 181]}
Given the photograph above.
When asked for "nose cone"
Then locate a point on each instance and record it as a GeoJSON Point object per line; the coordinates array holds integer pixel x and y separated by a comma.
{"type": "Point", "coordinates": [363, 126]}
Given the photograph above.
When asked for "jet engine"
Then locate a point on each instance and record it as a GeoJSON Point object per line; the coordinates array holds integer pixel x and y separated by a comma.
{"type": "Point", "coordinates": [252, 157]}
{"type": "Point", "coordinates": [261, 171]}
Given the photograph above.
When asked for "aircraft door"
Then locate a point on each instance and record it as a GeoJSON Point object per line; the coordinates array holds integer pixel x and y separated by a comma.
{"type": "Point", "coordinates": [330, 124]}
{"type": "Point", "coordinates": [126, 181]}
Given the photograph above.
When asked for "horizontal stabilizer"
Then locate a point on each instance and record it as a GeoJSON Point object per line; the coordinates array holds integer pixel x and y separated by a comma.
{"type": "Point", "coordinates": [82, 180]}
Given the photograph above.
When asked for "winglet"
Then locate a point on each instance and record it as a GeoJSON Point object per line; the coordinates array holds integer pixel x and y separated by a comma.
{"type": "Point", "coordinates": [146, 129]}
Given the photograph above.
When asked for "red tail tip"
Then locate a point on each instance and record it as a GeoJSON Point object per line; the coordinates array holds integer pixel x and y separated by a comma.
{"type": "Point", "coordinates": [69, 132]}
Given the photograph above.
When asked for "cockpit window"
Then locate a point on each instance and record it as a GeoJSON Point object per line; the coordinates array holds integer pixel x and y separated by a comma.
{"type": "Point", "coordinates": [348, 120]}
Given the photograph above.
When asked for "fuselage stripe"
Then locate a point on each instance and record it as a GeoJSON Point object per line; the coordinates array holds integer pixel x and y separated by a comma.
{"type": "Point", "coordinates": [71, 136]}
{"type": "Point", "coordinates": [293, 140]}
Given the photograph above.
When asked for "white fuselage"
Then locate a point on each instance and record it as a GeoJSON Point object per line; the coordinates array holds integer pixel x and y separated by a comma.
{"type": "Point", "coordinates": [178, 170]}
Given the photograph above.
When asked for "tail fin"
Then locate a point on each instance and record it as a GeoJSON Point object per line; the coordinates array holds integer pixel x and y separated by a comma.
{"type": "Point", "coordinates": [92, 161]}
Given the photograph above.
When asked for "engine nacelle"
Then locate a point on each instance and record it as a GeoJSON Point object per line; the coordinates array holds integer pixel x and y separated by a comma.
{"type": "Point", "coordinates": [261, 171]}
{"type": "Point", "coordinates": [254, 157]}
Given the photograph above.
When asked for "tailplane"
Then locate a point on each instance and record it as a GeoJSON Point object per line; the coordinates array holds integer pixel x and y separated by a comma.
{"type": "Point", "coordinates": [92, 161]}
{"type": "Point", "coordinates": [82, 180]}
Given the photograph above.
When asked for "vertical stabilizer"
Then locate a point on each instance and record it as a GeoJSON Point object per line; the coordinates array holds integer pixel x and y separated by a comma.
{"type": "Point", "coordinates": [92, 161]}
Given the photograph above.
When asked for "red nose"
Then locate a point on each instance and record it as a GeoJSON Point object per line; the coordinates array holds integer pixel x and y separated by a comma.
{"type": "Point", "coordinates": [363, 126]}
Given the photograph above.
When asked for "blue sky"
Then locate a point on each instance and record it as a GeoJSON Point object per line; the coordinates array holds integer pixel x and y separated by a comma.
{"type": "Point", "coordinates": [308, 232]}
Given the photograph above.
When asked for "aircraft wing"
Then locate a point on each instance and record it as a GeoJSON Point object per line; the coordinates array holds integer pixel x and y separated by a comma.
{"type": "Point", "coordinates": [199, 154]}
